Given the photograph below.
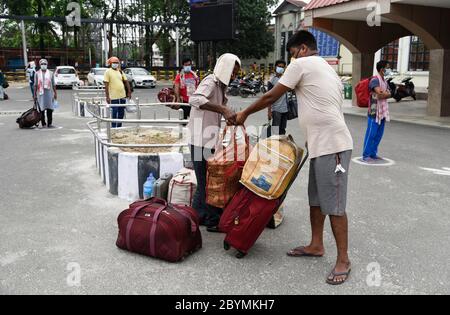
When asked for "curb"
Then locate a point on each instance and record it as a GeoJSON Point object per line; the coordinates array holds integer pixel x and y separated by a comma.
{"type": "Point", "coordinates": [406, 121]}
{"type": "Point", "coordinates": [11, 113]}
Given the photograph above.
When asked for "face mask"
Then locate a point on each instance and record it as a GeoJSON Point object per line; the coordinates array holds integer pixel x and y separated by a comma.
{"type": "Point", "coordinates": [44, 67]}
{"type": "Point", "coordinates": [187, 69]}
{"type": "Point", "coordinates": [280, 70]}
{"type": "Point", "coordinates": [388, 72]}
{"type": "Point", "coordinates": [115, 66]}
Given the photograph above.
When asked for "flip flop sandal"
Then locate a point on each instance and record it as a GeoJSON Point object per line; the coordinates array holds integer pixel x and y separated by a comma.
{"type": "Point", "coordinates": [300, 252]}
{"type": "Point", "coordinates": [335, 274]}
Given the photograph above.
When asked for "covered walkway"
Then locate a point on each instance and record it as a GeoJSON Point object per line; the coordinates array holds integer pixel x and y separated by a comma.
{"type": "Point", "coordinates": [352, 22]}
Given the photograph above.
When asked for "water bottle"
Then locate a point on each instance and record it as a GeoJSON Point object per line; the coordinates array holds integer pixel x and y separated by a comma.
{"type": "Point", "coordinates": [148, 186]}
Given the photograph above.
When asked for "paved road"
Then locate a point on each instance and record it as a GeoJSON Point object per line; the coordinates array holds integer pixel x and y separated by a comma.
{"type": "Point", "coordinates": [55, 211]}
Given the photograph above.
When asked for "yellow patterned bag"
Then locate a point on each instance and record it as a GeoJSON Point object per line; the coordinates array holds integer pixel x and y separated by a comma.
{"type": "Point", "coordinates": [271, 166]}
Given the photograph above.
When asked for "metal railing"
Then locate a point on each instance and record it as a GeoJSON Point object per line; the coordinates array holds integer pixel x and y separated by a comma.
{"type": "Point", "coordinates": [86, 94]}
{"type": "Point", "coordinates": [97, 109]}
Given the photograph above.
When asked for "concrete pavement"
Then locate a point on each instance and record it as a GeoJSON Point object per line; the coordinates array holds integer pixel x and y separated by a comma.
{"type": "Point", "coordinates": [407, 111]}
{"type": "Point", "coordinates": [56, 216]}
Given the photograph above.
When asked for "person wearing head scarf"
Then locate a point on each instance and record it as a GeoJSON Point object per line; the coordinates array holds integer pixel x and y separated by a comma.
{"type": "Point", "coordinates": [45, 93]}
{"type": "Point", "coordinates": [209, 105]}
{"type": "Point", "coordinates": [117, 89]}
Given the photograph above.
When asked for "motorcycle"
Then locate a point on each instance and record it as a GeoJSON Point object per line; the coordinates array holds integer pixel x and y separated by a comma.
{"type": "Point", "coordinates": [233, 88]}
{"type": "Point", "coordinates": [251, 86]}
{"type": "Point", "coordinates": [403, 90]}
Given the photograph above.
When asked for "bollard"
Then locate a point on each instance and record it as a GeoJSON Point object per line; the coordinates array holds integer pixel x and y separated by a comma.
{"type": "Point", "coordinates": [180, 127]}
{"type": "Point", "coordinates": [139, 112]}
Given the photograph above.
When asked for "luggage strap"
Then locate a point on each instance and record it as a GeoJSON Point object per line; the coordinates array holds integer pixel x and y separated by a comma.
{"type": "Point", "coordinates": [187, 215]}
{"type": "Point", "coordinates": [133, 217]}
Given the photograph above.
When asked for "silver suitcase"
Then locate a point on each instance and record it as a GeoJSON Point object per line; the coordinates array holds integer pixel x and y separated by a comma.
{"type": "Point", "coordinates": [161, 186]}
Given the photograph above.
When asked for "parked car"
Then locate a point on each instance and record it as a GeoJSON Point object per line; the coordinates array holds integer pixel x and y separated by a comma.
{"type": "Point", "coordinates": [96, 76]}
{"type": "Point", "coordinates": [139, 77]}
{"type": "Point", "coordinates": [66, 76]}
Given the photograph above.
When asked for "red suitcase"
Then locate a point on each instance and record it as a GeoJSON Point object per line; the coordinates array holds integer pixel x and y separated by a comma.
{"type": "Point", "coordinates": [157, 229]}
{"type": "Point", "coordinates": [247, 216]}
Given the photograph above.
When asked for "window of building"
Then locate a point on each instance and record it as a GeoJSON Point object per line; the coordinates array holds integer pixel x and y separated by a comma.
{"type": "Point", "coordinates": [419, 55]}
{"type": "Point", "coordinates": [389, 53]}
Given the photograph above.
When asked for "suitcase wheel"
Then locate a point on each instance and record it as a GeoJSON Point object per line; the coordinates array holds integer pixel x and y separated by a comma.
{"type": "Point", "coordinates": [240, 255]}
{"type": "Point", "coordinates": [226, 246]}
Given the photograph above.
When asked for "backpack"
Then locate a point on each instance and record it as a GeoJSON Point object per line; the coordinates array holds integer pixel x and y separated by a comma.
{"type": "Point", "coordinates": [167, 95]}
{"type": "Point", "coordinates": [363, 92]}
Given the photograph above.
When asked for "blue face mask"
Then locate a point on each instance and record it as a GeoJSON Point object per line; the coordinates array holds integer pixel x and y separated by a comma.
{"type": "Point", "coordinates": [280, 70]}
{"type": "Point", "coordinates": [187, 69]}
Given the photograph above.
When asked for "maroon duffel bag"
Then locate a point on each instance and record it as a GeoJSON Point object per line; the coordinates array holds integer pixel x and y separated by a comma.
{"type": "Point", "coordinates": [157, 229]}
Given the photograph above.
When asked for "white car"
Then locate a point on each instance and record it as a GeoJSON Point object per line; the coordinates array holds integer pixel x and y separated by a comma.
{"type": "Point", "coordinates": [139, 77]}
{"type": "Point", "coordinates": [66, 77]}
{"type": "Point", "coordinates": [96, 76]}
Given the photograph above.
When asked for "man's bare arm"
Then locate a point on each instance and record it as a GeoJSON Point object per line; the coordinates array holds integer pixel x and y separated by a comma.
{"type": "Point", "coordinates": [227, 112]}
{"type": "Point", "coordinates": [177, 92]}
{"type": "Point", "coordinates": [265, 101]}
{"type": "Point", "coordinates": [382, 95]}
{"type": "Point", "coordinates": [108, 100]}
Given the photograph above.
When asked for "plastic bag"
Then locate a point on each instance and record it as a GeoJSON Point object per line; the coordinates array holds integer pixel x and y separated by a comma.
{"type": "Point", "coordinates": [131, 107]}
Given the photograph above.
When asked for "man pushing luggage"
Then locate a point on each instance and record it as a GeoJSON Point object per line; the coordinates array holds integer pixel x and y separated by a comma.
{"type": "Point", "coordinates": [319, 91]}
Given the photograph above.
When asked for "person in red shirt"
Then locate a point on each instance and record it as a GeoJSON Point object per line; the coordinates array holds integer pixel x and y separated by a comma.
{"type": "Point", "coordinates": [186, 84]}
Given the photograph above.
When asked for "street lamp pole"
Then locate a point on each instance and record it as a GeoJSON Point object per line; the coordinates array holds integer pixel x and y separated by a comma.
{"type": "Point", "coordinates": [178, 46]}
{"type": "Point", "coordinates": [24, 44]}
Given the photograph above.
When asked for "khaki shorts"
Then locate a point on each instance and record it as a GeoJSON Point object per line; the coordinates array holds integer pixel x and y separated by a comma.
{"type": "Point", "coordinates": [328, 188]}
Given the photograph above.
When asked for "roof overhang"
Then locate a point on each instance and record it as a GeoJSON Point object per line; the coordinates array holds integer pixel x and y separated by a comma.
{"type": "Point", "coordinates": [358, 10]}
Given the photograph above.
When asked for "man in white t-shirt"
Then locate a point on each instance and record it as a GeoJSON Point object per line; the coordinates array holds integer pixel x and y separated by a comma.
{"type": "Point", "coordinates": [319, 94]}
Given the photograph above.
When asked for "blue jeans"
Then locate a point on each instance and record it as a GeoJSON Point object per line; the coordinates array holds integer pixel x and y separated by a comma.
{"type": "Point", "coordinates": [209, 215]}
{"type": "Point", "coordinates": [118, 112]}
{"type": "Point", "coordinates": [373, 137]}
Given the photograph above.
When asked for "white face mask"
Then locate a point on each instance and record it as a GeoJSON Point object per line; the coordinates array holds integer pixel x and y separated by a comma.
{"type": "Point", "coordinates": [44, 67]}
{"type": "Point", "coordinates": [115, 66]}
{"type": "Point", "coordinates": [280, 70]}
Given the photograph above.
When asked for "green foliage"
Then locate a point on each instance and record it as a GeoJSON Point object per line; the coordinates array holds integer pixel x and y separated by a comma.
{"type": "Point", "coordinates": [254, 39]}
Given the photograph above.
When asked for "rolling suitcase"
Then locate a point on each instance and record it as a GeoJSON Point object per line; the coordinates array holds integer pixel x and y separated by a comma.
{"type": "Point", "coordinates": [161, 186]}
{"type": "Point", "coordinates": [157, 229]}
{"type": "Point", "coordinates": [248, 214]}
{"type": "Point", "coordinates": [30, 118]}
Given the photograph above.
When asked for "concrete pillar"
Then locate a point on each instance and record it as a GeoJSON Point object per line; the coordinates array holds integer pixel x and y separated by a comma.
{"type": "Point", "coordinates": [362, 68]}
{"type": "Point", "coordinates": [439, 89]}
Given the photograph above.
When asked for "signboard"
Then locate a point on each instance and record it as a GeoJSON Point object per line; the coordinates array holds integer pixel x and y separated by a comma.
{"type": "Point", "coordinates": [328, 46]}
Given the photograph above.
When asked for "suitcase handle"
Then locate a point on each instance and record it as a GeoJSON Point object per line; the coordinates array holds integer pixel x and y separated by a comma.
{"type": "Point", "coordinates": [136, 211]}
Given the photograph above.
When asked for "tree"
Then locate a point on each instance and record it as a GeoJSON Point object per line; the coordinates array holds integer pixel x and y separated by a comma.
{"type": "Point", "coordinates": [254, 40]}
{"type": "Point", "coordinates": [162, 11]}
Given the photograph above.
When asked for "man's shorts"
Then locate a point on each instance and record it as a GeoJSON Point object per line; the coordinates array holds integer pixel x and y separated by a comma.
{"type": "Point", "coordinates": [328, 185]}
